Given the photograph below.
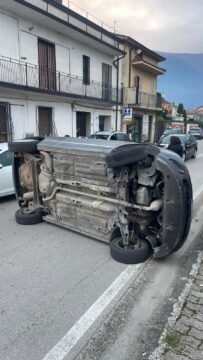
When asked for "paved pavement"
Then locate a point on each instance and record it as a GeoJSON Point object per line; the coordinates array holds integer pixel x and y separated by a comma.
{"type": "Point", "coordinates": [182, 338]}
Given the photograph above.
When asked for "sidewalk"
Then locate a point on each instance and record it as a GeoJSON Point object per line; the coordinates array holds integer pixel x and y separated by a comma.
{"type": "Point", "coordinates": [182, 338]}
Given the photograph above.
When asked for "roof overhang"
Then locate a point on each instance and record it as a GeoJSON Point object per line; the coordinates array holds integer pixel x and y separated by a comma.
{"type": "Point", "coordinates": [144, 65]}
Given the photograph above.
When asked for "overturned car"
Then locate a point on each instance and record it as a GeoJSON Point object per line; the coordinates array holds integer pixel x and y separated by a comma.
{"type": "Point", "coordinates": [135, 197]}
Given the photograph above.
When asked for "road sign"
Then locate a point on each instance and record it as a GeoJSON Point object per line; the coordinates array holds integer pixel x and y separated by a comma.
{"type": "Point", "coordinates": [127, 113]}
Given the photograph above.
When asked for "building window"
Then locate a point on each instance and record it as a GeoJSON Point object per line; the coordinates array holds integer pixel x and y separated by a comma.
{"type": "Point", "coordinates": [86, 70]}
{"type": "Point", "coordinates": [47, 65]}
{"type": "Point", "coordinates": [106, 81]}
{"type": "Point", "coordinates": [6, 126]}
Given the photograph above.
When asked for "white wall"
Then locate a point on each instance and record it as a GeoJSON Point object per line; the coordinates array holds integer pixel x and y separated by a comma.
{"type": "Point", "coordinates": [24, 114]}
{"type": "Point", "coordinates": [18, 38]}
{"type": "Point", "coordinates": [9, 36]}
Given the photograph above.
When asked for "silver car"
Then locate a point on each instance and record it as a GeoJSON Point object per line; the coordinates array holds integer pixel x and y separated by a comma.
{"type": "Point", "coordinates": [6, 179]}
{"type": "Point", "coordinates": [135, 197]}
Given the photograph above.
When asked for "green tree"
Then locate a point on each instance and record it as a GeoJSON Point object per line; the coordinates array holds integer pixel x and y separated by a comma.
{"type": "Point", "coordinates": [180, 110]}
{"type": "Point", "coordinates": [185, 120]}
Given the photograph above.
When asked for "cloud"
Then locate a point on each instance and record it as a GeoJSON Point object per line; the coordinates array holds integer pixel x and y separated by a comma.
{"type": "Point", "coordinates": [162, 25]}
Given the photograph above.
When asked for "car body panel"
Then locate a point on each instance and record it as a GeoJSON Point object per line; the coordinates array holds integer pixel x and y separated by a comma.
{"type": "Point", "coordinates": [6, 179]}
{"type": "Point", "coordinates": [100, 188]}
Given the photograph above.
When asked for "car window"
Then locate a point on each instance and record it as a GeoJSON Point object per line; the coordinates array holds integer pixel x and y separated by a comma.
{"type": "Point", "coordinates": [114, 137]}
{"type": "Point", "coordinates": [6, 158]}
{"type": "Point", "coordinates": [122, 137]}
{"type": "Point", "coordinates": [165, 140]}
{"type": "Point", "coordinates": [188, 138]}
{"type": "Point", "coordinates": [99, 136]}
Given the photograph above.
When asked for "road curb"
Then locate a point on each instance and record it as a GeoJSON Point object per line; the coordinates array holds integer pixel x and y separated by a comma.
{"type": "Point", "coordinates": [177, 308]}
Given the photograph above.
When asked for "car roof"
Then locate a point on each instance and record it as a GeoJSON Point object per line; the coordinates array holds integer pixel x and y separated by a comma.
{"type": "Point", "coordinates": [107, 132]}
{"type": "Point", "coordinates": [3, 147]}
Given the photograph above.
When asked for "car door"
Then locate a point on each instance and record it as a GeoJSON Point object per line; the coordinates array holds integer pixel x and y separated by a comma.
{"type": "Point", "coordinates": [6, 179]}
{"type": "Point", "coordinates": [194, 144]}
{"type": "Point", "coordinates": [188, 146]}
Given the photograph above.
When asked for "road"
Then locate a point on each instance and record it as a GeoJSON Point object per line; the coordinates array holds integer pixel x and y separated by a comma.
{"type": "Point", "coordinates": [59, 288]}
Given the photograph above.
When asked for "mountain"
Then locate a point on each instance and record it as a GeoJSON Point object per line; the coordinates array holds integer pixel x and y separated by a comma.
{"type": "Point", "coordinates": [183, 81]}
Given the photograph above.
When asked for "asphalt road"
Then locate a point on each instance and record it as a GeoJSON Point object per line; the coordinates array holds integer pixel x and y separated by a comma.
{"type": "Point", "coordinates": [51, 278]}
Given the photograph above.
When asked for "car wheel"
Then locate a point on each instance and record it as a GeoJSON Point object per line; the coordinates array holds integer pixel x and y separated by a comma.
{"type": "Point", "coordinates": [135, 254]}
{"type": "Point", "coordinates": [195, 154]}
{"type": "Point", "coordinates": [26, 145]}
{"type": "Point", "coordinates": [24, 218]}
{"type": "Point", "coordinates": [184, 157]}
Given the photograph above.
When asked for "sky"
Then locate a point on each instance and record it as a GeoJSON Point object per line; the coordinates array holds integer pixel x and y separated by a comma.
{"type": "Point", "coordinates": [161, 25]}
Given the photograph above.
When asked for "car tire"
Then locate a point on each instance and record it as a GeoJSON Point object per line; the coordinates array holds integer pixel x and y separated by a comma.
{"type": "Point", "coordinates": [134, 255]}
{"type": "Point", "coordinates": [195, 154]}
{"type": "Point", "coordinates": [26, 145]}
{"type": "Point", "coordinates": [23, 218]}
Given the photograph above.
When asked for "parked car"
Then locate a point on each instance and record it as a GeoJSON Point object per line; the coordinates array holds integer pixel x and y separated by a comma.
{"type": "Point", "coordinates": [196, 132]}
{"type": "Point", "coordinates": [6, 179]}
{"type": "Point", "coordinates": [110, 135]}
{"type": "Point", "coordinates": [126, 194]}
{"type": "Point", "coordinates": [188, 142]}
{"type": "Point", "coordinates": [171, 132]}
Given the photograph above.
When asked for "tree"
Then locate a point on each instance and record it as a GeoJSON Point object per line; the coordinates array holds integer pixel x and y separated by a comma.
{"type": "Point", "coordinates": [180, 110]}
{"type": "Point", "coordinates": [185, 120]}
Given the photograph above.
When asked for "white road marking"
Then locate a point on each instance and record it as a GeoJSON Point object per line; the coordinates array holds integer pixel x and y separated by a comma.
{"type": "Point", "coordinates": [197, 192]}
{"type": "Point", "coordinates": [199, 156]}
{"type": "Point", "coordinates": [70, 339]}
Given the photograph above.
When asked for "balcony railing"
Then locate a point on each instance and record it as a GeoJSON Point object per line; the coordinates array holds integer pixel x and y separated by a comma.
{"type": "Point", "coordinates": [31, 77]}
{"type": "Point", "coordinates": [137, 98]}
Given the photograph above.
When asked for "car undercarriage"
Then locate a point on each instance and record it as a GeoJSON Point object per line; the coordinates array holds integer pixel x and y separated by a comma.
{"type": "Point", "coordinates": [135, 197]}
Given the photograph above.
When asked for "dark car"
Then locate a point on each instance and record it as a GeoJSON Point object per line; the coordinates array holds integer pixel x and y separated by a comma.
{"type": "Point", "coordinates": [171, 132]}
{"type": "Point", "coordinates": [110, 135]}
{"type": "Point", "coordinates": [135, 197]}
{"type": "Point", "coordinates": [188, 142]}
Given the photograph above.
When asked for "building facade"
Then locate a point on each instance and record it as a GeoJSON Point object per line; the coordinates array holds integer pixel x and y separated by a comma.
{"type": "Point", "coordinates": [139, 74]}
{"type": "Point", "coordinates": [59, 72]}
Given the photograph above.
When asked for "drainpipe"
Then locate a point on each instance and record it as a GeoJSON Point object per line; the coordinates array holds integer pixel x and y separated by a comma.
{"type": "Point", "coordinates": [129, 76]}
{"type": "Point", "coordinates": [116, 64]}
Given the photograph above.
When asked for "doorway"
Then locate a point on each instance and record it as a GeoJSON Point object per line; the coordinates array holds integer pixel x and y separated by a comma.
{"type": "Point", "coordinates": [45, 123]}
{"type": "Point", "coordinates": [135, 128]}
{"type": "Point", "coordinates": [83, 124]}
{"type": "Point", "coordinates": [47, 65]}
{"type": "Point", "coordinates": [5, 123]}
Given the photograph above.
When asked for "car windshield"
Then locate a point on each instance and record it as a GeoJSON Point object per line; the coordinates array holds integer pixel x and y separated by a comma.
{"type": "Point", "coordinates": [99, 136]}
{"type": "Point", "coordinates": [166, 139]}
{"type": "Point", "coordinates": [167, 132]}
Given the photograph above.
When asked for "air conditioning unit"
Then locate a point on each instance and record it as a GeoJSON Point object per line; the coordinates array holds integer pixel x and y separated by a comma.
{"type": "Point", "coordinates": [129, 95]}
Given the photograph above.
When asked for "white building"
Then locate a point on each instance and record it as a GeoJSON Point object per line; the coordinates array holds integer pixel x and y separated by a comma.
{"type": "Point", "coordinates": [59, 72]}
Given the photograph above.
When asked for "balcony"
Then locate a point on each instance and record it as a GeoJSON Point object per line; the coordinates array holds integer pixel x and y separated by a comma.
{"type": "Point", "coordinates": [28, 77]}
{"type": "Point", "coordinates": [146, 66]}
{"type": "Point", "coordinates": [135, 98]}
